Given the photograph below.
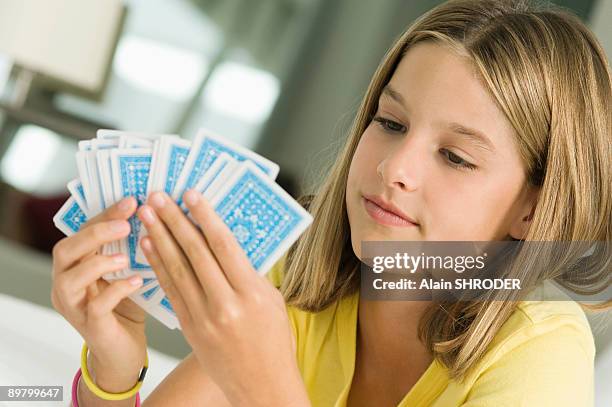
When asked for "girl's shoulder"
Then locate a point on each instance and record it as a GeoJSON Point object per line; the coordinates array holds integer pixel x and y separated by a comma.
{"type": "Point", "coordinates": [546, 320]}
{"type": "Point", "coordinates": [543, 324]}
{"type": "Point", "coordinates": [542, 355]}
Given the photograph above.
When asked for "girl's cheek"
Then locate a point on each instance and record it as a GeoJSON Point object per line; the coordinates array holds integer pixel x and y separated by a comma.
{"type": "Point", "coordinates": [370, 149]}
{"type": "Point", "coordinates": [368, 140]}
{"type": "Point", "coordinates": [365, 159]}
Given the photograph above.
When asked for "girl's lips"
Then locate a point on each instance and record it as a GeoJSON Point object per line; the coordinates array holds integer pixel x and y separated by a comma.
{"type": "Point", "coordinates": [385, 217]}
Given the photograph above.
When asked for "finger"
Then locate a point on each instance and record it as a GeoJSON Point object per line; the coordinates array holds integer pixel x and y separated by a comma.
{"type": "Point", "coordinates": [193, 244]}
{"type": "Point", "coordinates": [275, 294]}
{"type": "Point", "coordinates": [121, 210]}
{"type": "Point", "coordinates": [224, 246]}
{"type": "Point", "coordinates": [92, 291]}
{"type": "Point", "coordinates": [71, 249]}
{"type": "Point", "coordinates": [176, 299]}
{"type": "Point", "coordinates": [172, 264]}
{"type": "Point", "coordinates": [63, 252]}
{"type": "Point", "coordinates": [86, 273]}
{"type": "Point", "coordinates": [101, 307]}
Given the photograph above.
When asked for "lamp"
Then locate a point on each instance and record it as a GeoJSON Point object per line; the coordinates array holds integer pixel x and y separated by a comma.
{"type": "Point", "coordinates": [65, 45]}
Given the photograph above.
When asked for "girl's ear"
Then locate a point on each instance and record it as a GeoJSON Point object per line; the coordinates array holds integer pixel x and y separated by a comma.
{"type": "Point", "coordinates": [520, 226]}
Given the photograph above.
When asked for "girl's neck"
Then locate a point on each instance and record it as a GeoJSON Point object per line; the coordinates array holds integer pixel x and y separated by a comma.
{"type": "Point", "coordinates": [389, 357]}
{"type": "Point", "coordinates": [388, 330]}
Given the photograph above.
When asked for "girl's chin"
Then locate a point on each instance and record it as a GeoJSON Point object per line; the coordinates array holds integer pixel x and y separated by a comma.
{"type": "Point", "coordinates": [388, 237]}
{"type": "Point", "coordinates": [356, 242]}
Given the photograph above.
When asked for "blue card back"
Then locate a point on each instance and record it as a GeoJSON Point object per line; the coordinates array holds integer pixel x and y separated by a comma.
{"type": "Point", "coordinates": [70, 217]}
{"type": "Point", "coordinates": [178, 155]}
{"type": "Point", "coordinates": [260, 216]}
{"type": "Point", "coordinates": [207, 152]}
{"type": "Point", "coordinates": [133, 178]}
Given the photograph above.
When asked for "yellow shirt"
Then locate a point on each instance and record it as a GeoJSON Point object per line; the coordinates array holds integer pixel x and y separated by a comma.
{"type": "Point", "coordinates": [542, 356]}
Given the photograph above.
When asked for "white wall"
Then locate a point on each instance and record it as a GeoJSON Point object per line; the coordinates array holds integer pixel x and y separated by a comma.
{"type": "Point", "coordinates": [313, 114]}
{"type": "Point", "coordinates": [601, 24]}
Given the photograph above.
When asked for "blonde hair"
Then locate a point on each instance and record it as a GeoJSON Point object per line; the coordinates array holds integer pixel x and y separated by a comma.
{"type": "Point", "coordinates": [550, 77]}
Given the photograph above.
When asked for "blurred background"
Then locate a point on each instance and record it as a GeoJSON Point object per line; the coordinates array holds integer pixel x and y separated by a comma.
{"type": "Point", "coordinates": [282, 77]}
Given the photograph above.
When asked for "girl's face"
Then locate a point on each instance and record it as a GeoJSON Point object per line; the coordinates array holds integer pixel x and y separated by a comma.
{"type": "Point", "coordinates": [440, 154]}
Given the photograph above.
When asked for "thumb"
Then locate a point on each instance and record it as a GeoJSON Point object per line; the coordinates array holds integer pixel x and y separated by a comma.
{"type": "Point", "coordinates": [102, 306]}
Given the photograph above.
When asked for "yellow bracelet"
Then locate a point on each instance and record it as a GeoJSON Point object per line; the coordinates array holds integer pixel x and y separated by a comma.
{"type": "Point", "coordinates": [106, 395]}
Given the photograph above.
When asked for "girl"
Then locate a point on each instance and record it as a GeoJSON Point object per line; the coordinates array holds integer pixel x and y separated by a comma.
{"type": "Point", "coordinates": [485, 121]}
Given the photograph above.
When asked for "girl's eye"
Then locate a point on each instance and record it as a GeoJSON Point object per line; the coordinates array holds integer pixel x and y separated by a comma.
{"type": "Point", "coordinates": [455, 161]}
{"type": "Point", "coordinates": [389, 125]}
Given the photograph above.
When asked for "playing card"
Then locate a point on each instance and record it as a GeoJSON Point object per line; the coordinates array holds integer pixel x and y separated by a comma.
{"type": "Point", "coordinates": [83, 173]}
{"type": "Point", "coordinates": [127, 141]}
{"type": "Point", "coordinates": [214, 177]}
{"type": "Point", "coordinates": [97, 160]}
{"type": "Point", "coordinates": [76, 191]}
{"type": "Point", "coordinates": [88, 172]}
{"type": "Point", "coordinates": [105, 173]}
{"type": "Point", "coordinates": [95, 205]}
{"type": "Point", "coordinates": [148, 297]}
{"type": "Point", "coordinates": [144, 294]}
{"type": "Point", "coordinates": [168, 160]}
{"type": "Point", "coordinates": [167, 312]}
{"type": "Point", "coordinates": [130, 168]}
{"type": "Point", "coordinates": [108, 134]}
{"type": "Point", "coordinates": [103, 144]}
{"type": "Point", "coordinates": [84, 145]}
{"type": "Point", "coordinates": [264, 218]}
{"type": "Point", "coordinates": [205, 149]}
{"type": "Point", "coordinates": [239, 183]}
{"type": "Point", "coordinates": [169, 155]}
{"type": "Point", "coordinates": [217, 174]}
{"type": "Point", "coordinates": [219, 171]}
{"type": "Point", "coordinates": [70, 217]}
{"type": "Point", "coordinates": [149, 287]}
{"type": "Point", "coordinates": [116, 134]}
{"type": "Point", "coordinates": [108, 196]}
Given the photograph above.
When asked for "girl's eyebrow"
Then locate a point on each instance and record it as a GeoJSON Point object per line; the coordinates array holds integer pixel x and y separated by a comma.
{"type": "Point", "coordinates": [393, 94]}
{"type": "Point", "coordinates": [475, 136]}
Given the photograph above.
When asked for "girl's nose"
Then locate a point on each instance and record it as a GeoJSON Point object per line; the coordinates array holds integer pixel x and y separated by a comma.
{"type": "Point", "coordinates": [403, 165]}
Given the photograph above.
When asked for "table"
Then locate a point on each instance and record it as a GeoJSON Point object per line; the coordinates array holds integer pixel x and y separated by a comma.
{"type": "Point", "coordinates": [38, 347]}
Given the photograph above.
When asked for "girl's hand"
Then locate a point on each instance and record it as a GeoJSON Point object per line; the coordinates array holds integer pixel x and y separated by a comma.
{"type": "Point", "coordinates": [233, 318]}
{"type": "Point", "coordinates": [111, 324]}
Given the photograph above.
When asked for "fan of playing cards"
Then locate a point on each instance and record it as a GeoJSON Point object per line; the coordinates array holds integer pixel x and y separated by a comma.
{"type": "Point", "coordinates": [239, 184]}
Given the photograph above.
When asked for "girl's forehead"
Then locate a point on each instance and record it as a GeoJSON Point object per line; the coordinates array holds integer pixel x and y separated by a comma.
{"type": "Point", "coordinates": [434, 84]}
{"type": "Point", "coordinates": [438, 70]}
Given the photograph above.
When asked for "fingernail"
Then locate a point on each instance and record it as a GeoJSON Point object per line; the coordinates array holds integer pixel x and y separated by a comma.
{"type": "Point", "coordinates": [120, 259]}
{"type": "Point", "coordinates": [124, 204]}
{"type": "Point", "coordinates": [135, 280]}
{"type": "Point", "coordinates": [191, 197]}
{"type": "Point", "coordinates": [157, 199]}
{"type": "Point", "coordinates": [146, 214]}
{"type": "Point", "coordinates": [146, 244]}
{"type": "Point", "coordinates": [119, 226]}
